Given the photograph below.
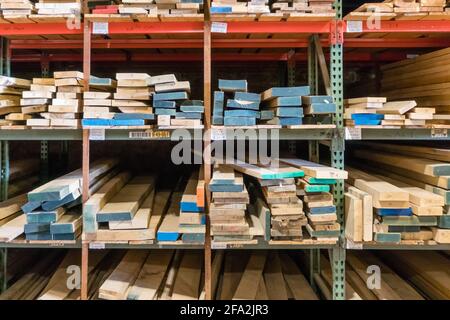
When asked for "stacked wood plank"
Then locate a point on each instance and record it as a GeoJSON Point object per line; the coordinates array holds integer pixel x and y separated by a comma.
{"type": "Point", "coordinates": [314, 189]}
{"type": "Point", "coordinates": [421, 79]}
{"type": "Point", "coordinates": [285, 104]}
{"type": "Point", "coordinates": [10, 111]}
{"type": "Point", "coordinates": [56, 10]}
{"type": "Point", "coordinates": [363, 111]}
{"type": "Point", "coordinates": [260, 276]}
{"type": "Point", "coordinates": [410, 193]}
{"type": "Point", "coordinates": [35, 102]}
{"type": "Point", "coordinates": [318, 109]}
{"type": "Point", "coordinates": [16, 11]}
{"type": "Point", "coordinates": [401, 10]}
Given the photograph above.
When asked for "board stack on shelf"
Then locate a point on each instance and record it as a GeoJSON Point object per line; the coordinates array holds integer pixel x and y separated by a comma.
{"type": "Point", "coordinates": [36, 101]}
{"type": "Point", "coordinates": [134, 7]}
{"type": "Point", "coordinates": [285, 104]}
{"type": "Point", "coordinates": [49, 10]}
{"type": "Point", "coordinates": [16, 11]}
{"type": "Point", "coordinates": [66, 109]}
{"type": "Point", "coordinates": [303, 6]}
{"type": "Point", "coordinates": [54, 203]}
{"type": "Point", "coordinates": [189, 9]}
{"type": "Point", "coordinates": [241, 107]}
{"type": "Point", "coordinates": [318, 109]}
{"type": "Point", "coordinates": [239, 8]}
{"type": "Point", "coordinates": [363, 112]}
{"type": "Point", "coordinates": [314, 189]}
{"type": "Point", "coordinates": [10, 92]}
{"type": "Point", "coordinates": [192, 220]}
{"type": "Point", "coordinates": [420, 79]}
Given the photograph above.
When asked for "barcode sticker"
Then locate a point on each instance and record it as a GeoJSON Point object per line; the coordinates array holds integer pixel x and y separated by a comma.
{"type": "Point", "coordinates": [96, 245]}
{"type": "Point", "coordinates": [219, 27]}
{"type": "Point", "coordinates": [218, 245]}
{"type": "Point", "coordinates": [353, 133]}
{"type": "Point", "coordinates": [439, 133]}
{"type": "Point", "coordinates": [100, 28]}
{"type": "Point", "coordinates": [97, 134]}
{"type": "Point", "coordinates": [354, 26]}
{"type": "Point", "coordinates": [218, 134]}
{"type": "Point", "coordinates": [139, 135]}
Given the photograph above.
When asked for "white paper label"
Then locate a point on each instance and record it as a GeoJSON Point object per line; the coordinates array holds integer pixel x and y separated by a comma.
{"type": "Point", "coordinates": [218, 245]}
{"type": "Point", "coordinates": [139, 135]}
{"type": "Point", "coordinates": [439, 133]}
{"type": "Point", "coordinates": [96, 245]}
{"type": "Point", "coordinates": [353, 133]}
{"type": "Point", "coordinates": [218, 134]}
{"type": "Point", "coordinates": [100, 28]}
{"type": "Point", "coordinates": [219, 27]}
{"type": "Point", "coordinates": [97, 134]}
{"type": "Point", "coordinates": [354, 26]}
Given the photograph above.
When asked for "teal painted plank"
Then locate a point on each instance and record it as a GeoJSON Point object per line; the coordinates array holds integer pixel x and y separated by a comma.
{"type": "Point", "coordinates": [38, 236]}
{"type": "Point", "coordinates": [193, 238]}
{"type": "Point", "coordinates": [295, 101]}
{"type": "Point", "coordinates": [247, 96]}
{"type": "Point", "coordinates": [323, 233]}
{"type": "Point", "coordinates": [232, 85]}
{"type": "Point", "coordinates": [320, 108]}
{"type": "Point", "coordinates": [52, 205]}
{"type": "Point", "coordinates": [165, 112]}
{"type": "Point", "coordinates": [192, 103]}
{"type": "Point", "coordinates": [444, 221]}
{"type": "Point", "coordinates": [235, 104]}
{"type": "Point", "coordinates": [313, 180]}
{"type": "Point", "coordinates": [267, 115]}
{"type": "Point", "coordinates": [317, 99]}
{"type": "Point", "coordinates": [289, 112]}
{"type": "Point", "coordinates": [176, 95]}
{"type": "Point", "coordinates": [242, 113]}
{"type": "Point", "coordinates": [239, 121]}
{"type": "Point", "coordinates": [49, 194]}
{"type": "Point", "coordinates": [219, 99]}
{"type": "Point", "coordinates": [189, 115]}
{"type": "Point", "coordinates": [317, 188]}
{"type": "Point", "coordinates": [30, 206]}
{"type": "Point", "coordinates": [217, 120]}
{"type": "Point", "coordinates": [423, 221]}
{"type": "Point", "coordinates": [164, 104]}
{"type": "Point", "coordinates": [118, 216]}
{"type": "Point", "coordinates": [388, 237]}
{"type": "Point", "coordinates": [36, 227]}
{"type": "Point", "coordinates": [200, 109]}
{"type": "Point", "coordinates": [43, 217]}
{"type": "Point", "coordinates": [289, 91]}
{"type": "Point", "coordinates": [64, 236]}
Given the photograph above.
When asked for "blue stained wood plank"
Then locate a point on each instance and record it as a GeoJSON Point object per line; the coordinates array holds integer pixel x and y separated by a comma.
{"type": "Point", "coordinates": [324, 233]}
{"type": "Point", "coordinates": [290, 121]}
{"type": "Point", "coordinates": [444, 221]}
{"type": "Point", "coordinates": [63, 236]}
{"type": "Point", "coordinates": [289, 112]}
{"type": "Point", "coordinates": [242, 113]}
{"type": "Point", "coordinates": [219, 99]}
{"type": "Point", "coordinates": [130, 116]}
{"type": "Point", "coordinates": [215, 10]}
{"type": "Point", "coordinates": [313, 180]}
{"type": "Point", "coordinates": [247, 96]}
{"type": "Point", "coordinates": [51, 193]}
{"type": "Point", "coordinates": [294, 101]}
{"type": "Point", "coordinates": [367, 122]}
{"type": "Point", "coordinates": [193, 238]}
{"type": "Point", "coordinates": [290, 91]}
{"type": "Point", "coordinates": [239, 121]}
{"type": "Point", "coordinates": [321, 108]}
{"type": "Point", "coordinates": [322, 210]}
{"type": "Point", "coordinates": [232, 85]}
{"type": "Point", "coordinates": [423, 221]}
{"type": "Point", "coordinates": [217, 120]}
{"type": "Point", "coordinates": [393, 212]}
{"type": "Point", "coordinates": [52, 205]}
{"type": "Point", "coordinates": [191, 1]}
{"type": "Point", "coordinates": [61, 228]}
{"type": "Point", "coordinates": [189, 115]}
{"type": "Point", "coordinates": [42, 217]}
{"type": "Point", "coordinates": [367, 116]}
{"type": "Point", "coordinates": [95, 122]}
{"type": "Point", "coordinates": [225, 187]}
{"type": "Point", "coordinates": [192, 103]}
{"type": "Point", "coordinates": [267, 115]}
{"type": "Point", "coordinates": [165, 112]}
{"type": "Point", "coordinates": [282, 175]}
{"type": "Point", "coordinates": [167, 236]}
{"type": "Point", "coordinates": [235, 104]}
{"type": "Point", "coordinates": [164, 104]}
{"type": "Point", "coordinates": [30, 206]}
{"type": "Point", "coordinates": [390, 237]}
{"type": "Point", "coordinates": [190, 207]}
{"type": "Point", "coordinates": [99, 81]}
{"type": "Point", "coordinates": [317, 99]}
{"type": "Point", "coordinates": [130, 122]}
{"type": "Point", "coordinates": [38, 236]}
{"type": "Point", "coordinates": [200, 109]}
{"type": "Point", "coordinates": [36, 227]}
{"type": "Point", "coordinates": [176, 95]}
{"type": "Point", "coordinates": [117, 216]}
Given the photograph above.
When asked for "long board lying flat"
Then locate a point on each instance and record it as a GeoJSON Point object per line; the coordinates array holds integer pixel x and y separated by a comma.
{"type": "Point", "coordinates": [262, 172]}
{"type": "Point", "coordinates": [316, 170]}
{"type": "Point", "coordinates": [187, 282]}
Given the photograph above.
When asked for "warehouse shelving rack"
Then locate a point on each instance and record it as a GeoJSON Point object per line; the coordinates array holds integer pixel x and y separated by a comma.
{"type": "Point", "coordinates": [335, 32]}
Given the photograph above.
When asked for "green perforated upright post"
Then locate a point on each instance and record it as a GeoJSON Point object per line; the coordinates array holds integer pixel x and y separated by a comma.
{"type": "Point", "coordinates": [4, 169]}
{"type": "Point", "coordinates": [292, 145]}
{"type": "Point", "coordinates": [337, 255]}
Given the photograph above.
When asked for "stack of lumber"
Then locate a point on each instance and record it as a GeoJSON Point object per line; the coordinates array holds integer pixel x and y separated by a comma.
{"type": "Point", "coordinates": [36, 101]}
{"type": "Point", "coordinates": [131, 104]}
{"type": "Point", "coordinates": [65, 110]}
{"type": "Point", "coordinates": [10, 92]}
{"type": "Point", "coordinates": [363, 111]}
{"type": "Point", "coordinates": [314, 189]}
{"type": "Point", "coordinates": [285, 104]}
{"type": "Point", "coordinates": [192, 219]}
{"type": "Point", "coordinates": [286, 209]}
{"type": "Point", "coordinates": [259, 275]}
{"type": "Point", "coordinates": [318, 109]}
{"type": "Point", "coordinates": [48, 212]}
{"type": "Point", "coordinates": [401, 10]}
{"type": "Point", "coordinates": [314, 7]}
{"type": "Point", "coordinates": [239, 8]}
{"type": "Point", "coordinates": [410, 185]}
{"type": "Point", "coordinates": [56, 10]}
{"type": "Point", "coordinates": [155, 275]}
{"type": "Point", "coordinates": [127, 209]}
{"type": "Point", "coordinates": [241, 107]}
{"type": "Point", "coordinates": [16, 11]}
{"type": "Point", "coordinates": [421, 79]}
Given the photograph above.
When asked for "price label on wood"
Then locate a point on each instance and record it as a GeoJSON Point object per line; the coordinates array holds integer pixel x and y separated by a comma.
{"type": "Point", "coordinates": [96, 245]}
{"type": "Point", "coordinates": [439, 133]}
{"type": "Point", "coordinates": [353, 133]}
{"type": "Point", "coordinates": [218, 134]}
{"type": "Point", "coordinates": [218, 245]}
{"type": "Point", "coordinates": [219, 27]}
{"type": "Point", "coordinates": [97, 134]}
{"type": "Point", "coordinates": [100, 28]}
{"type": "Point", "coordinates": [354, 26]}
